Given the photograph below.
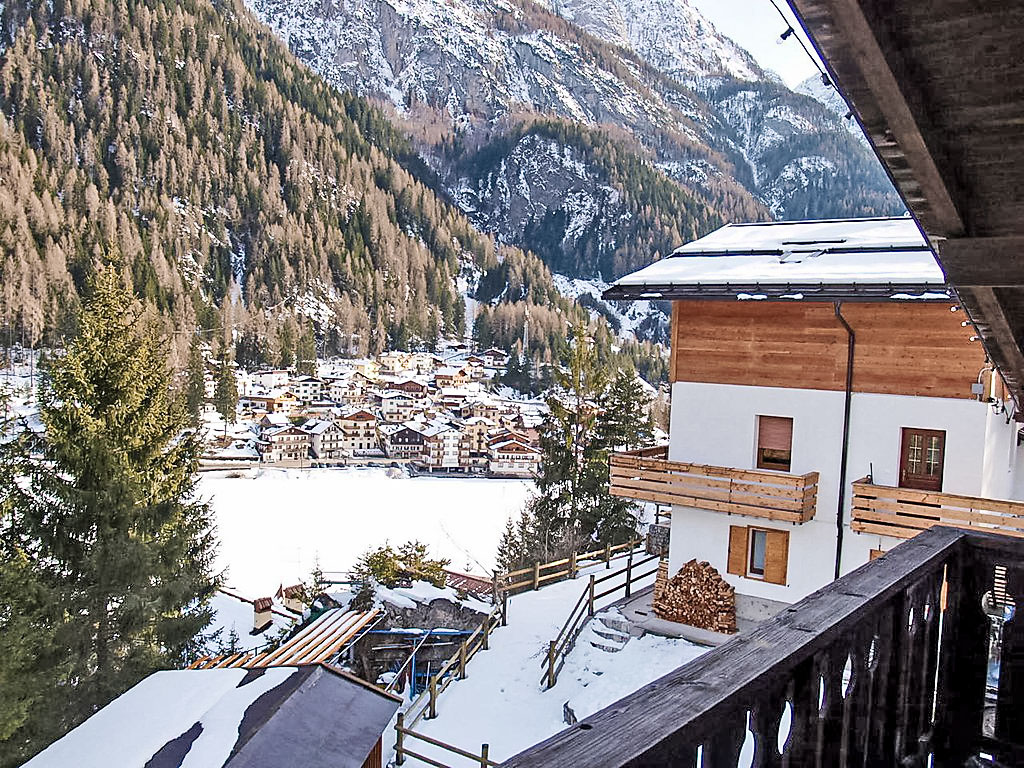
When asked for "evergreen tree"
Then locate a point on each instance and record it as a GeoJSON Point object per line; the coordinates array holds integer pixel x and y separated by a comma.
{"type": "Point", "coordinates": [195, 380]}
{"type": "Point", "coordinates": [305, 351]}
{"type": "Point", "coordinates": [626, 421]}
{"type": "Point", "coordinates": [225, 396]}
{"type": "Point", "coordinates": [106, 518]}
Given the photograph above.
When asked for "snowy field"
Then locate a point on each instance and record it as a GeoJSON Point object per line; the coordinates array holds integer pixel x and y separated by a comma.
{"type": "Point", "coordinates": [275, 524]}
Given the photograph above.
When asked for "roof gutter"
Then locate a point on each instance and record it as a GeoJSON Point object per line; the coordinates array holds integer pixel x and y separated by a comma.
{"type": "Point", "coordinates": [851, 344]}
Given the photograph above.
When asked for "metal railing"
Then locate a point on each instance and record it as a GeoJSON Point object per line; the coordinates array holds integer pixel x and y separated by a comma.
{"type": "Point", "coordinates": [889, 665]}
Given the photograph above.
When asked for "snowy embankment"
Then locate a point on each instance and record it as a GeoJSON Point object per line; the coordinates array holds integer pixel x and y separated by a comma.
{"type": "Point", "coordinates": [502, 702]}
{"type": "Point", "coordinates": [274, 525]}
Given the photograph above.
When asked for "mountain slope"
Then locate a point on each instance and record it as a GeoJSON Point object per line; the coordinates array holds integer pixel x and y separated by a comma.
{"type": "Point", "coordinates": [470, 74]}
{"type": "Point", "coordinates": [237, 191]}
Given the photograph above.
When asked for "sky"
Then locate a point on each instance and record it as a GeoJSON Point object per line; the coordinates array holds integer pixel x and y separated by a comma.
{"type": "Point", "coordinates": [756, 26]}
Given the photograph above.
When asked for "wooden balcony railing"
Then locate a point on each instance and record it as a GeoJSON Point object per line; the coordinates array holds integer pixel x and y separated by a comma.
{"type": "Point", "coordinates": [903, 512]}
{"type": "Point", "coordinates": [647, 475]}
{"type": "Point", "coordinates": [896, 663]}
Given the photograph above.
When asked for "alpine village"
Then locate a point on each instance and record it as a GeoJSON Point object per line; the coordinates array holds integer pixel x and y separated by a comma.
{"type": "Point", "coordinates": [527, 383]}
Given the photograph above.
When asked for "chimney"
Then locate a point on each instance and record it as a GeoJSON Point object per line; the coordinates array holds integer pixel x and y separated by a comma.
{"type": "Point", "coordinates": [261, 614]}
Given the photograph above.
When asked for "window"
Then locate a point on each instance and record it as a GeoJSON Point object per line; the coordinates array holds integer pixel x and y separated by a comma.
{"type": "Point", "coordinates": [922, 454]}
{"type": "Point", "coordinates": [756, 544]}
{"type": "Point", "coordinates": [774, 442]}
{"type": "Point", "coordinates": [759, 553]}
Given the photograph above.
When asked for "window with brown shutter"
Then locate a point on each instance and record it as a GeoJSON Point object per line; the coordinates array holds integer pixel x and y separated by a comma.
{"type": "Point", "coordinates": [737, 550]}
{"type": "Point", "coordinates": [774, 442]}
{"type": "Point", "coordinates": [759, 553]}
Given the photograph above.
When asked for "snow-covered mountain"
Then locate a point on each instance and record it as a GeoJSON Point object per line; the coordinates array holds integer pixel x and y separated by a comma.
{"type": "Point", "coordinates": [646, 88]}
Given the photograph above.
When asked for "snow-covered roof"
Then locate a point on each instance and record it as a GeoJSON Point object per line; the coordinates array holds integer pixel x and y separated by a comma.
{"type": "Point", "coordinates": [879, 259]}
{"type": "Point", "coordinates": [231, 717]}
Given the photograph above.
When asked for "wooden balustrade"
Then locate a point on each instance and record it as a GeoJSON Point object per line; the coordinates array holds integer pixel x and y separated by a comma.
{"type": "Point", "coordinates": [885, 666]}
{"type": "Point", "coordinates": [904, 512]}
{"type": "Point", "coordinates": [646, 476]}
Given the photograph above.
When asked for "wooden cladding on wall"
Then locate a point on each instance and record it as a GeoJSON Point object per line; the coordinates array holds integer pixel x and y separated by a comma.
{"type": "Point", "coordinates": [902, 348]}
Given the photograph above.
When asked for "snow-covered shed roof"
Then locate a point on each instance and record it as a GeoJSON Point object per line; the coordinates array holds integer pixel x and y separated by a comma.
{"type": "Point", "coordinates": [843, 259]}
{"type": "Point", "coordinates": [311, 716]}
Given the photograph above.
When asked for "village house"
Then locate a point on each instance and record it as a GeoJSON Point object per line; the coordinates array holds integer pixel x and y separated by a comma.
{"type": "Point", "coordinates": [409, 386]}
{"type": "Point", "coordinates": [494, 358]}
{"type": "Point", "coordinates": [289, 443]}
{"type": "Point", "coordinates": [440, 447]}
{"type": "Point", "coordinates": [510, 456]}
{"type": "Point", "coordinates": [396, 406]}
{"type": "Point", "coordinates": [276, 378]}
{"type": "Point", "coordinates": [360, 431]}
{"type": "Point", "coordinates": [327, 439]}
{"type": "Point", "coordinates": [404, 442]}
{"type": "Point", "coordinates": [307, 388]}
{"type": "Point", "coordinates": [844, 389]}
{"type": "Point", "coordinates": [451, 376]}
{"type": "Point", "coordinates": [393, 363]}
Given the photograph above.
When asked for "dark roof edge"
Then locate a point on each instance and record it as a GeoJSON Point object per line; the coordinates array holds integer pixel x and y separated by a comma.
{"type": "Point", "coordinates": [881, 292]}
{"type": "Point", "coordinates": [353, 679]}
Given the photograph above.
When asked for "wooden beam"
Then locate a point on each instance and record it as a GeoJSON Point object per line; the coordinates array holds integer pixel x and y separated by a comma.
{"type": "Point", "coordinates": [983, 261]}
{"type": "Point", "coordinates": [864, 48]}
{"type": "Point", "coordinates": [999, 336]}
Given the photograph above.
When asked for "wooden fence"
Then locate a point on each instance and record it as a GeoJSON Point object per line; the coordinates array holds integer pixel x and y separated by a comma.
{"type": "Point", "coordinates": [563, 643]}
{"type": "Point", "coordinates": [402, 733]}
{"type": "Point", "coordinates": [539, 574]}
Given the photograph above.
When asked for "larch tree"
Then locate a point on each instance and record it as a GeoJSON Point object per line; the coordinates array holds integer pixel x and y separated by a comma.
{"type": "Point", "coordinates": [106, 516]}
{"type": "Point", "coordinates": [195, 380]}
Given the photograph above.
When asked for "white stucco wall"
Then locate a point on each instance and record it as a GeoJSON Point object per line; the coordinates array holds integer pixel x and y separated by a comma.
{"type": "Point", "coordinates": [716, 424]}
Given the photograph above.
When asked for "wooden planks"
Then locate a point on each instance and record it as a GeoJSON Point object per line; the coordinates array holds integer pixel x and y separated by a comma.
{"type": "Point", "coordinates": [904, 512]}
{"type": "Point", "coordinates": [757, 493]}
{"type": "Point", "coordinates": [902, 348]}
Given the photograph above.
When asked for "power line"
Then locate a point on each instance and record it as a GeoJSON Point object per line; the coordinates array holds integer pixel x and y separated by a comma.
{"type": "Point", "coordinates": [791, 32]}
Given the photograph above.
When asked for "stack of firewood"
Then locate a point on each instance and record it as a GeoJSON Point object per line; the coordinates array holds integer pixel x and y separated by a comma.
{"type": "Point", "coordinates": [697, 596]}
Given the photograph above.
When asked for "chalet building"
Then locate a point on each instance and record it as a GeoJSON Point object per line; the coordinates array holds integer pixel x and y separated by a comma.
{"type": "Point", "coordinates": [824, 387]}
{"type": "Point", "coordinates": [405, 442]}
{"type": "Point", "coordinates": [396, 406]}
{"type": "Point", "coordinates": [289, 443]}
{"type": "Point", "coordinates": [307, 388]}
{"type": "Point", "coordinates": [327, 439]}
{"type": "Point", "coordinates": [441, 447]}
{"type": "Point", "coordinates": [451, 376]}
{"type": "Point", "coordinates": [512, 457]}
{"type": "Point", "coordinates": [409, 386]}
{"type": "Point", "coordinates": [494, 358]}
{"type": "Point", "coordinates": [276, 378]}
{"type": "Point", "coordinates": [360, 431]}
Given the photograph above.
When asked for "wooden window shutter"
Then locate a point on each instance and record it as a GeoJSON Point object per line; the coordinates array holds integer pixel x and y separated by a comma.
{"type": "Point", "coordinates": [774, 433]}
{"type": "Point", "coordinates": [776, 556]}
{"type": "Point", "coordinates": [738, 550]}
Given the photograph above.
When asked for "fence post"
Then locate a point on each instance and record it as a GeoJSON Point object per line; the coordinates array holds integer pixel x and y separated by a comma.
{"type": "Point", "coordinates": [484, 751]}
{"type": "Point", "coordinates": [607, 556]}
{"type": "Point", "coordinates": [432, 713]}
{"type": "Point", "coordinates": [572, 564]}
{"type": "Point", "coordinates": [504, 609]}
{"type": "Point", "coordinates": [494, 588]}
{"type": "Point", "coordinates": [629, 570]}
{"type": "Point", "coordinates": [400, 739]}
{"type": "Point", "coordinates": [486, 645]}
{"type": "Point", "coordinates": [462, 661]}
{"type": "Point", "coordinates": [551, 664]}
{"type": "Point", "coordinates": [590, 598]}
{"type": "Point", "coordinates": [536, 575]}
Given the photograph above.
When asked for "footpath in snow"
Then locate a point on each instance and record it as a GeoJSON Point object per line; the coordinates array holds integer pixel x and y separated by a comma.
{"type": "Point", "coordinates": [502, 702]}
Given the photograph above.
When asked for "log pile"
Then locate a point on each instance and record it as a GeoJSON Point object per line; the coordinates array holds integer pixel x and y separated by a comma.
{"type": "Point", "coordinates": [697, 596]}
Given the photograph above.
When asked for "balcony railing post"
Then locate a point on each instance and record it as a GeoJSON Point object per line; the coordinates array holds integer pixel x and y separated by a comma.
{"type": "Point", "coordinates": [1009, 712]}
{"type": "Point", "coordinates": [963, 665]}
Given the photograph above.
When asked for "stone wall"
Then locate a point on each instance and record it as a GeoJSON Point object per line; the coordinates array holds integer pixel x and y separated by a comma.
{"type": "Point", "coordinates": [697, 596]}
{"type": "Point", "coordinates": [657, 540]}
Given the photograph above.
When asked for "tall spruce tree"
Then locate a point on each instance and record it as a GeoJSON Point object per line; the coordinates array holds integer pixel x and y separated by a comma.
{"type": "Point", "coordinates": [225, 396]}
{"type": "Point", "coordinates": [195, 380]}
{"type": "Point", "coordinates": [626, 422]}
{"type": "Point", "coordinates": [106, 513]}
{"type": "Point", "coordinates": [305, 351]}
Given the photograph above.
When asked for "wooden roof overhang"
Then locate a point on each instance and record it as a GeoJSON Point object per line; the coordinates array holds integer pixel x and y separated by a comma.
{"type": "Point", "coordinates": [877, 292]}
{"type": "Point", "coordinates": [938, 87]}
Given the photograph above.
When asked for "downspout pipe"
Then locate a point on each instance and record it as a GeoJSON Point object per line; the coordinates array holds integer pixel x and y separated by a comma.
{"type": "Point", "coordinates": [851, 344]}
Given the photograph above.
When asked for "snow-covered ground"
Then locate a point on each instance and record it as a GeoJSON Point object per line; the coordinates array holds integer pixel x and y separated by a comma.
{"type": "Point", "coordinates": [274, 525]}
{"type": "Point", "coordinates": [502, 702]}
